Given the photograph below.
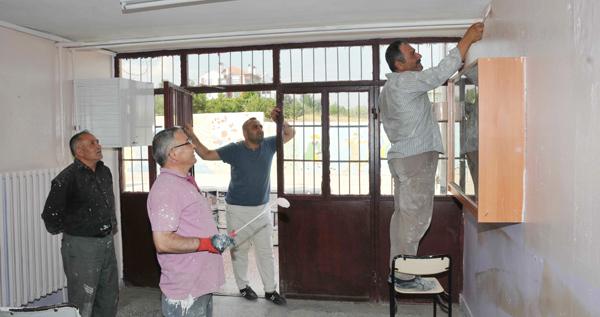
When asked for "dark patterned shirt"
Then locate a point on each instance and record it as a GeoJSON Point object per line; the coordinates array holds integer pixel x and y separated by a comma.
{"type": "Point", "coordinates": [81, 202]}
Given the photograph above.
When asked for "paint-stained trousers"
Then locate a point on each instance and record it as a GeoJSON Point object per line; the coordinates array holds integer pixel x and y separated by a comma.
{"type": "Point", "coordinates": [90, 265]}
{"type": "Point", "coordinates": [193, 307]}
{"type": "Point", "coordinates": [414, 185]}
{"type": "Point", "coordinates": [259, 233]}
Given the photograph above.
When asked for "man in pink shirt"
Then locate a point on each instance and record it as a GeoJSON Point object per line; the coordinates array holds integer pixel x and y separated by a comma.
{"type": "Point", "coordinates": [182, 228]}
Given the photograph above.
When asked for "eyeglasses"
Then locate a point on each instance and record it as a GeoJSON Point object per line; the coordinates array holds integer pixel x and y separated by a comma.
{"type": "Point", "coordinates": [188, 141]}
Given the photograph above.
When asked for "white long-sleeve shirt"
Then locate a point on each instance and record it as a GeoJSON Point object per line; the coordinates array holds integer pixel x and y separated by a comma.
{"type": "Point", "coordinates": [406, 110]}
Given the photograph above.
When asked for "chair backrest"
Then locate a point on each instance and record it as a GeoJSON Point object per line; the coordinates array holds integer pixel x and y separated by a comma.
{"type": "Point", "coordinates": [45, 311]}
{"type": "Point", "coordinates": [421, 265]}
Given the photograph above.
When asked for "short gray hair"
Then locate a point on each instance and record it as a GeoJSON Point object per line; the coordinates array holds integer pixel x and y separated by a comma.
{"type": "Point", "coordinates": [393, 54]}
{"type": "Point", "coordinates": [161, 144]}
{"type": "Point", "coordinates": [74, 141]}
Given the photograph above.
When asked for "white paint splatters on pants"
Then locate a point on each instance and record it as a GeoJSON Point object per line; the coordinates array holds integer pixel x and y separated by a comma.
{"type": "Point", "coordinates": [189, 307]}
{"type": "Point", "coordinates": [414, 187]}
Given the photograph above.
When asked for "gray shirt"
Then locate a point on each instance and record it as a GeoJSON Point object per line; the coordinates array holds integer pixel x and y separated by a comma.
{"type": "Point", "coordinates": [406, 110]}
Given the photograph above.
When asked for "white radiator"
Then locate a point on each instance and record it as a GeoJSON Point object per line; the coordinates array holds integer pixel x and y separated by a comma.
{"type": "Point", "coordinates": [30, 260]}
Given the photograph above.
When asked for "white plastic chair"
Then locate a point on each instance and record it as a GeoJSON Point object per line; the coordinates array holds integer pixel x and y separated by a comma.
{"type": "Point", "coordinates": [63, 310]}
{"type": "Point", "coordinates": [428, 267]}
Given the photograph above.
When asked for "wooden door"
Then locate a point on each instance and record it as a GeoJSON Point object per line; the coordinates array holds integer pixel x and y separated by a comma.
{"type": "Point", "coordinates": [140, 267]}
{"type": "Point", "coordinates": [334, 241]}
{"type": "Point", "coordinates": [327, 173]}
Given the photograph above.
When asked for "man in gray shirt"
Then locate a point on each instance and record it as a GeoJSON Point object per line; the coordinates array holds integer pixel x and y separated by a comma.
{"type": "Point", "coordinates": [416, 141]}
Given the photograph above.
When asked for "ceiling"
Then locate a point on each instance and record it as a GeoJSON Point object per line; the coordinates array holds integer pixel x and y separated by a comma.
{"type": "Point", "coordinates": [100, 23]}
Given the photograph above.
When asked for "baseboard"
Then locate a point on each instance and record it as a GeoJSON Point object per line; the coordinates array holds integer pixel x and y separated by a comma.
{"type": "Point", "coordinates": [464, 306]}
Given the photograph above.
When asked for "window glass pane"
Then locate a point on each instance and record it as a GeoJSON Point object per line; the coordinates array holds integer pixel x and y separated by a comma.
{"type": "Point", "coordinates": [203, 70]}
{"type": "Point", "coordinates": [128, 176]}
{"type": "Point", "coordinates": [231, 68]}
{"type": "Point", "coordinates": [285, 68]}
{"type": "Point", "coordinates": [214, 70]}
{"type": "Point", "coordinates": [383, 66]}
{"type": "Point", "coordinates": [159, 112]}
{"type": "Point", "coordinates": [343, 62]}
{"type": "Point", "coordinates": [139, 69]}
{"type": "Point", "coordinates": [145, 176]}
{"type": "Point", "coordinates": [319, 61]}
{"type": "Point", "coordinates": [331, 63]}
{"type": "Point", "coordinates": [349, 143]}
{"type": "Point", "coordinates": [166, 69]}
{"type": "Point", "coordinates": [154, 69]}
{"type": "Point", "coordinates": [268, 66]}
{"type": "Point", "coordinates": [303, 177]}
{"type": "Point", "coordinates": [308, 64]}
{"type": "Point", "coordinates": [232, 64]}
{"type": "Point", "coordinates": [303, 168]}
{"type": "Point", "coordinates": [426, 55]}
{"type": "Point", "coordinates": [386, 187]}
{"type": "Point", "coordinates": [193, 77]}
{"type": "Point", "coordinates": [367, 62]}
{"type": "Point", "coordinates": [247, 70]}
{"type": "Point", "coordinates": [135, 69]}
{"type": "Point", "coordinates": [137, 176]}
{"type": "Point", "coordinates": [136, 152]}
{"type": "Point", "coordinates": [124, 70]}
{"type": "Point", "coordinates": [127, 153]}
{"type": "Point", "coordinates": [296, 63]}
{"type": "Point", "coordinates": [326, 64]}
{"type": "Point", "coordinates": [355, 58]}
{"type": "Point", "coordinates": [157, 67]}
{"type": "Point", "coordinates": [176, 74]}
{"type": "Point", "coordinates": [146, 70]}
{"type": "Point", "coordinates": [135, 169]}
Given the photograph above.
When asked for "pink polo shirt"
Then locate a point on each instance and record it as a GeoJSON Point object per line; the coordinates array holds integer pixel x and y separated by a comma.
{"type": "Point", "coordinates": [174, 204]}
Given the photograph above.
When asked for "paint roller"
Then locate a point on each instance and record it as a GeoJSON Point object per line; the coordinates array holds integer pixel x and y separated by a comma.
{"type": "Point", "coordinates": [486, 12]}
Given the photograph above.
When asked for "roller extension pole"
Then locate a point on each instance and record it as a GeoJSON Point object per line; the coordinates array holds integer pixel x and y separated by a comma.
{"type": "Point", "coordinates": [279, 201]}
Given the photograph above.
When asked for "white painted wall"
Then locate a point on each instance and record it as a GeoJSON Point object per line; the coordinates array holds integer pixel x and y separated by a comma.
{"type": "Point", "coordinates": [547, 266]}
{"type": "Point", "coordinates": [36, 120]}
{"type": "Point", "coordinates": [28, 88]}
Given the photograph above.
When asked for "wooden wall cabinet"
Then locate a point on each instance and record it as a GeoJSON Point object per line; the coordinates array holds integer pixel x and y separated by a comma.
{"type": "Point", "coordinates": [486, 136]}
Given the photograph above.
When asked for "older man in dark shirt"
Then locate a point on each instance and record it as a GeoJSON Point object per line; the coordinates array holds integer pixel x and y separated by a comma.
{"type": "Point", "coordinates": [81, 205]}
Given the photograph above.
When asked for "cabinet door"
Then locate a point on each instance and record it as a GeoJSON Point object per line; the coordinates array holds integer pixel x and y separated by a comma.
{"type": "Point", "coordinates": [502, 139]}
{"type": "Point", "coordinates": [488, 139]}
{"type": "Point", "coordinates": [120, 112]}
{"type": "Point", "coordinates": [142, 115]}
{"type": "Point", "coordinates": [97, 103]}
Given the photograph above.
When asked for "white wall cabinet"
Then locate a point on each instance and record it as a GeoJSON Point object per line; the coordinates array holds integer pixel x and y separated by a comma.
{"type": "Point", "coordinates": [119, 112]}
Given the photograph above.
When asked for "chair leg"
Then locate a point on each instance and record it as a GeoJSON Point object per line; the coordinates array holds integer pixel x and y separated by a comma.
{"type": "Point", "coordinates": [434, 306]}
{"type": "Point", "coordinates": [393, 307]}
{"type": "Point", "coordinates": [450, 304]}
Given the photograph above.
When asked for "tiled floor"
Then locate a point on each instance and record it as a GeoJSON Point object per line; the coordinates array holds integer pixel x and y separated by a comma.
{"type": "Point", "coordinates": [230, 287]}
{"type": "Point", "coordinates": [135, 301]}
